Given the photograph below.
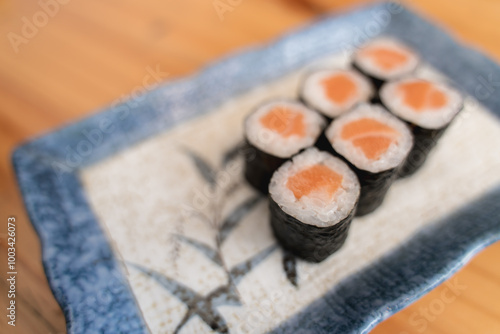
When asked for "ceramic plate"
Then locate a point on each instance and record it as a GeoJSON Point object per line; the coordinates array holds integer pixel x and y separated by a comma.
{"type": "Point", "coordinates": [129, 203]}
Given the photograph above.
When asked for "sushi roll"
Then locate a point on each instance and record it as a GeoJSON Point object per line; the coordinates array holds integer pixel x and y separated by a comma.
{"type": "Point", "coordinates": [274, 132]}
{"type": "Point", "coordinates": [375, 144]}
{"type": "Point", "coordinates": [384, 59]}
{"type": "Point", "coordinates": [312, 202]}
{"type": "Point", "coordinates": [333, 92]}
{"type": "Point", "coordinates": [428, 107]}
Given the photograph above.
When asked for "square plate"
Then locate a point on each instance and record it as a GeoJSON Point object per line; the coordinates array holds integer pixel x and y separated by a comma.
{"type": "Point", "coordinates": [119, 200]}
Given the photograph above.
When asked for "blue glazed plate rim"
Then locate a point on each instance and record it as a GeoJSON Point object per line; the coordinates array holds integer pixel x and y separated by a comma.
{"type": "Point", "coordinates": [87, 279]}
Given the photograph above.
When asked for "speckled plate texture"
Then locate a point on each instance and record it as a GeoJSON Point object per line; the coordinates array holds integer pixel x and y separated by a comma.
{"type": "Point", "coordinates": [147, 225]}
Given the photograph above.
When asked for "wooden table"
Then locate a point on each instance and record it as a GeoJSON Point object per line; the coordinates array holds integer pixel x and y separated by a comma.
{"type": "Point", "coordinates": [90, 53]}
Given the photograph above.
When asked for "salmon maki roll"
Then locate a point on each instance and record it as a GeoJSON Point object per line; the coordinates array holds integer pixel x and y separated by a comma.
{"type": "Point", "coordinates": [334, 92]}
{"type": "Point", "coordinates": [428, 107]}
{"type": "Point", "coordinates": [274, 132]}
{"type": "Point", "coordinates": [375, 144]}
{"type": "Point", "coordinates": [313, 198]}
{"type": "Point", "coordinates": [384, 59]}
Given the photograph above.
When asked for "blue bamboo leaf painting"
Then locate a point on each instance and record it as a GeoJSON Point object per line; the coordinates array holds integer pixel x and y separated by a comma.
{"type": "Point", "coordinates": [239, 271]}
{"type": "Point", "coordinates": [208, 251]}
{"type": "Point", "coordinates": [179, 290]}
{"type": "Point", "coordinates": [236, 216]}
{"type": "Point", "coordinates": [203, 167]}
{"type": "Point", "coordinates": [232, 154]}
{"type": "Point", "coordinates": [205, 307]}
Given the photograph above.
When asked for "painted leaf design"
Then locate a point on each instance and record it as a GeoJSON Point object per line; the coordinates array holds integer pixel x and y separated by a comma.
{"type": "Point", "coordinates": [185, 319]}
{"type": "Point", "coordinates": [204, 307]}
{"type": "Point", "coordinates": [290, 267]}
{"type": "Point", "coordinates": [239, 271]}
{"type": "Point", "coordinates": [235, 217]}
{"type": "Point", "coordinates": [210, 316]}
{"type": "Point", "coordinates": [232, 154]}
{"type": "Point", "coordinates": [179, 290]}
{"type": "Point", "coordinates": [203, 167]}
{"type": "Point", "coordinates": [208, 251]}
{"type": "Point", "coordinates": [225, 295]}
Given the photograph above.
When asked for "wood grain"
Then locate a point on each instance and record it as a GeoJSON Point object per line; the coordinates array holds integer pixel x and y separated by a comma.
{"type": "Point", "coordinates": [91, 53]}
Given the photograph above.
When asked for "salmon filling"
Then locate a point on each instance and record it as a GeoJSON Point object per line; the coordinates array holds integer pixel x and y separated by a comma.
{"type": "Point", "coordinates": [339, 88]}
{"type": "Point", "coordinates": [313, 179]}
{"type": "Point", "coordinates": [285, 122]}
{"type": "Point", "coordinates": [385, 58]}
{"type": "Point", "coordinates": [369, 135]}
{"type": "Point", "coordinates": [422, 95]}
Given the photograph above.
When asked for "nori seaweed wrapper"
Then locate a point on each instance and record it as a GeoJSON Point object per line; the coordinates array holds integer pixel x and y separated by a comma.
{"type": "Point", "coordinates": [308, 242]}
{"type": "Point", "coordinates": [259, 167]}
{"type": "Point", "coordinates": [376, 98]}
{"type": "Point", "coordinates": [424, 141]}
{"type": "Point", "coordinates": [377, 83]}
{"type": "Point", "coordinates": [323, 144]}
{"type": "Point", "coordinates": [374, 186]}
